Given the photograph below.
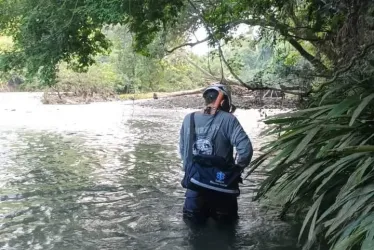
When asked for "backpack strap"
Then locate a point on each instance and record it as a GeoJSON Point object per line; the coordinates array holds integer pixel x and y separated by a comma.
{"type": "Point", "coordinates": [192, 132]}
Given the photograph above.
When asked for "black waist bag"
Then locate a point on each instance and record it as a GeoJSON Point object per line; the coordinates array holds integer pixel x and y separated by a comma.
{"type": "Point", "coordinates": [211, 173]}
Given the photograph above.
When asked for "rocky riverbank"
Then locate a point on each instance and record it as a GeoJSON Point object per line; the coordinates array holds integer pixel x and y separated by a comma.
{"type": "Point", "coordinates": [196, 102]}
{"type": "Point", "coordinates": [241, 100]}
{"type": "Point", "coordinates": [71, 98]}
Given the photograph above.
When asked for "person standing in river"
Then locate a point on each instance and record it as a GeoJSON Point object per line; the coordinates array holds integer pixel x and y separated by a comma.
{"type": "Point", "coordinates": [211, 173]}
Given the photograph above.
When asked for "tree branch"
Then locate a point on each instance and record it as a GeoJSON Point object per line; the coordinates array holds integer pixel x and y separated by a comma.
{"type": "Point", "coordinates": [257, 86]}
{"type": "Point", "coordinates": [264, 23]}
{"type": "Point", "coordinates": [248, 85]}
{"type": "Point", "coordinates": [201, 69]}
{"type": "Point", "coordinates": [188, 44]}
{"type": "Point", "coordinates": [314, 61]}
{"type": "Point", "coordinates": [211, 35]}
{"type": "Point", "coordinates": [283, 29]}
{"type": "Point", "coordinates": [310, 39]}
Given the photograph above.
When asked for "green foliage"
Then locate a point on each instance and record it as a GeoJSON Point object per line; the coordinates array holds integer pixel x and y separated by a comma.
{"type": "Point", "coordinates": [261, 62]}
{"type": "Point", "coordinates": [124, 71]}
{"type": "Point", "coordinates": [121, 70]}
{"type": "Point", "coordinates": [324, 157]}
{"type": "Point", "coordinates": [6, 43]}
{"type": "Point", "coordinates": [100, 78]}
{"type": "Point", "coordinates": [49, 32]}
{"type": "Point", "coordinates": [138, 73]}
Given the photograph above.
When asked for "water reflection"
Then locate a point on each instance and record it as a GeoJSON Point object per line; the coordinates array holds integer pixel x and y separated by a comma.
{"type": "Point", "coordinates": [115, 186]}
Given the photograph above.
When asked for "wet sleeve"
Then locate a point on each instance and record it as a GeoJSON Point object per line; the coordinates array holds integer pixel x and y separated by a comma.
{"type": "Point", "coordinates": [181, 141]}
{"type": "Point", "coordinates": [240, 140]}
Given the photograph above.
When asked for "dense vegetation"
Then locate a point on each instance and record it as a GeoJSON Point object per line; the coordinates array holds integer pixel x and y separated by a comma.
{"type": "Point", "coordinates": [119, 70]}
{"type": "Point", "coordinates": [323, 159]}
{"type": "Point", "coordinates": [54, 43]}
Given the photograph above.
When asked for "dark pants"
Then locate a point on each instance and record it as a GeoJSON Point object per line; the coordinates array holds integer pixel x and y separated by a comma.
{"type": "Point", "coordinates": [198, 207]}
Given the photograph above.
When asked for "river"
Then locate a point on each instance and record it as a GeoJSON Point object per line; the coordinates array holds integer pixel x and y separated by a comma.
{"type": "Point", "coordinates": [107, 176]}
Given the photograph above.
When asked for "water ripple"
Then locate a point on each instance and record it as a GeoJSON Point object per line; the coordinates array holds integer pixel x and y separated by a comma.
{"type": "Point", "coordinates": [107, 176]}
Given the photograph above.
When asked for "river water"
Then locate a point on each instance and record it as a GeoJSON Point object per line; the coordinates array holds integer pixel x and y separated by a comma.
{"type": "Point", "coordinates": [107, 176]}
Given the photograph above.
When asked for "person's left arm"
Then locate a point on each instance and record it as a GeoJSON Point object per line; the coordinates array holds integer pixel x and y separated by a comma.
{"type": "Point", "coordinates": [181, 141]}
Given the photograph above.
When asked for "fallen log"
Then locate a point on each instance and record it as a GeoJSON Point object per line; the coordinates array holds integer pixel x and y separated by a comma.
{"type": "Point", "coordinates": [181, 93]}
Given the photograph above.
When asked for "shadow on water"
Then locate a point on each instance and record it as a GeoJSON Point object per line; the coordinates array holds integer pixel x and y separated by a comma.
{"type": "Point", "coordinates": [110, 190]}
{"type": "Point", "coordinates": [231, 236]}
{"type": "Point", "coordinates": [212, 236]}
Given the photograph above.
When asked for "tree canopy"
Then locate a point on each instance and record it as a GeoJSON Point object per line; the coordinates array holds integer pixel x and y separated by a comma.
{"type": "Point", "coordinates": [325, 33]}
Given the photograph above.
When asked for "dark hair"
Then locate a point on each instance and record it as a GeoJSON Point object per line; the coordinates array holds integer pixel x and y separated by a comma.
{"type": "Point", "coordinates": [210, 97]}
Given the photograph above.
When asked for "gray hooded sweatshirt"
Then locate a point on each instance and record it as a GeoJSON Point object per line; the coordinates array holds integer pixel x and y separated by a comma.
{"type": "Point", "coordinates": [216, 136]}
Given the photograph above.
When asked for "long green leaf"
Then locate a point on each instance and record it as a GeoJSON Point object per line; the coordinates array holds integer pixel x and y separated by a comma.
{"type": "Point", "coordinates": [336, 170]}
{"type": "Point", "coordinates": [292, 132]}
{"type": "Point", "coordinates": [303, 111]}
{"type": "Point", "coordinates": [275, 174]}
{"type": "Point", "coordinates": [368, 243]}
{"type": "Point", "coordinates": [302, 145]}
{"type": "Point", "coordinates": [348, 210]}
{"type": "Point", "coordinates": [284, 120]}
{"type": "Point", "coordinates": [361, 107]}
{"type": "Point", "coordinates": [318, 114]}
{"type": "Point", "coordinates": [338, 163]}
{"type": "Point", "coordinates": [348, 198]}
{"type": "Point", "coordinates": [310, 243]}
{"type": "Point", "coordinates": [356, 178]}
{"type": "Point", "coordinates": [359, 192]}
{"type": "Point", "coordinates": [357, 149]}
{"type": "Point", "coordinates": [366, 140]}
{"type": "Point", "coordinates": [349, 228]}
{"type": "Point", "coordinates": [326, 148]}
{"type": "Point", "coordinates": [284, 153]}
{"type": "Point", "coordinates": [255, 164]}
{"type": "Point", "coordinates": [333, 90]}
{"type": "Point", "coordinates": [343, 106]}
{"type": "Point", "coordinates": [304, 177]}
{"type": "Point", "coordinates": [311, 212]}
{"type": "Point", "coordinates": [313, 224]}
{"type": "Point", "coordinates": [346, 140]}
{"type": "Point", "coordinates": [349, 241]}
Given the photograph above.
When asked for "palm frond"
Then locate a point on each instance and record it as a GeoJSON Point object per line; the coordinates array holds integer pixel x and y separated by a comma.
{"type": "Point", "coordinates": [323, 160]}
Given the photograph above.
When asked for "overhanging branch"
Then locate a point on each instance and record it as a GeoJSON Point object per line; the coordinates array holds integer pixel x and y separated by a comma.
{"type": "Point", "coordinates": [206, 72]}
{"type": "Point", "coordinates": [188, 44]}
{"type": "Point", "coordinates": [254, 86]}
{"type": "Point", "coordinates": [241, 82]}
{"type": "Point", "coordinates": [312, 59]}
{"type": "Point", "coordinates": [284, 31]}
